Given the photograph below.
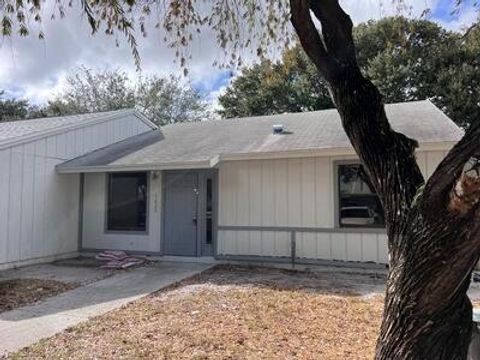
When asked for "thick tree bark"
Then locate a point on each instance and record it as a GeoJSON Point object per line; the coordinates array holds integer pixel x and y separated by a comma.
{"type": "Point", "coordinates": [433, 228]}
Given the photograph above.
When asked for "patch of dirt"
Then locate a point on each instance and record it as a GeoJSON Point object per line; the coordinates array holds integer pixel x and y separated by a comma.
{"type": "Point", "coordinates": [16, 293]}
{"type": "Point", "coordinates": [232, 313]}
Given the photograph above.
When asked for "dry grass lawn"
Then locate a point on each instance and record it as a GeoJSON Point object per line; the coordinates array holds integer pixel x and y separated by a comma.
{"type": "Point", "coordinates": [232, 313]}
{"type": "Point", "coordinates": [20, 292]}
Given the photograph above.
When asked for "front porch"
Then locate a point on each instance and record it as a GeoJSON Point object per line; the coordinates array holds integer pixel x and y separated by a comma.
{"type": "Point", "coordinates": [159, 213]}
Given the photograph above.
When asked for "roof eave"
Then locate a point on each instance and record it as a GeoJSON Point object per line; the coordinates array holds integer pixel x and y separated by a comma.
{"type": "Point", "coordinates": [214, 161]}
{"type": "Point", "coordinates": [182, 165]}
{"type": "Point", "coordinates": [332, 151]}
{"type": "Point", "coordinates": [143, 118]}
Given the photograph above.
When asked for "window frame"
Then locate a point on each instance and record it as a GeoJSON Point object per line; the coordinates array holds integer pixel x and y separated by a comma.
{"type": "Point", "coordinates": [337, 201]}
{"type": "Point", "coordinates": [107, 196]}
{"type": "Point", "coordinates": [209, 179]}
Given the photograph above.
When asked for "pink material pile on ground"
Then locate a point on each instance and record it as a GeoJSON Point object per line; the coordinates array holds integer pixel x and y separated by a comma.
{"type": "Point", "coordinates": [116, 259]}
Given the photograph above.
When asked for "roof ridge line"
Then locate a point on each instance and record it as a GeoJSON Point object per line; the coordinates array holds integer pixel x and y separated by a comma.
{"type": "Point", "coordinates": [61, 129]}
{"type": "Point", "coordinates": [254, 117]}
{"type": "Point", "coordinates": [99, 113]}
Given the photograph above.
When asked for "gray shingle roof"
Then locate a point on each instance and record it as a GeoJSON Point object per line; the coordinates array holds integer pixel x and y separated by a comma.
{"type": "Point", "coordinates": [203, 141]}
{"type": "Point", "coordinates": [23, 129]}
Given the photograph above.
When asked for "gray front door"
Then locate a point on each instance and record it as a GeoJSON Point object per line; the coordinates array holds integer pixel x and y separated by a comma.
{"type": "Point", "coordinates": [181, 197]}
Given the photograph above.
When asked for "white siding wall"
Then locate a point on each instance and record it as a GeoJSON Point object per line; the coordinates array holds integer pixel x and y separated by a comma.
{"type": "Point", "coordinates": [94, 218]}
{"type": "Point", "coordinates": [293, 192]}
{"type": "Point", "coordinates": [39, 208]}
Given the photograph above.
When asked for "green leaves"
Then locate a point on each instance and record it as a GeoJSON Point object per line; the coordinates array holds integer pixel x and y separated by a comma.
{"type": "Point", "coordinates": [163, 100]}
{"type": "Point", "coordinates": [238, 26]}
{"type": "Point", "coordinates": [6, 26]}
{"type": "Point", "coordinates": [406, 59]}
{"type": "Point", "coordinates": [417, 59]}
{"type": "Point", "coordinates": [12, 109]}
{"type": "Point", "coordinates": [168, 100]}
{"type": "Point", "coordinates": [290, 85]}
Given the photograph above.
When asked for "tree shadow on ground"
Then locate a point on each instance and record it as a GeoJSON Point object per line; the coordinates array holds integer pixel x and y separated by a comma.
{"type": "Point", "coordinates": [326, 282]}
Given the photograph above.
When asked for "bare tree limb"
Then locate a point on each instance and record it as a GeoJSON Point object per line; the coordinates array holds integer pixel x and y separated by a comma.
{"type": "Point", "coordinates": [449, 171]}
{"type": "Point", "coordinates": [336, 30]}
{"type": "Point", "coordinates": [389, 157]}
{"type": "Point", "coordinates": [434, 235]}
{"type": "Point", "coordinates": [465, 194]}
{"type": "Point", "coordinates": [310, 38]}
{"type": "Point", "coordinates": [470, 29]}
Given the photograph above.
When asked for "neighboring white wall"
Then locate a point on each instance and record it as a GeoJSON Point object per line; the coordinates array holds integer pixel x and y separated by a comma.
{"type": "Point", "coordinates": [293, 192]}
{"type": "Point", "coordinates": [429, 160]}
{"type": "Point", "coordinates": [39, 208]}
{"type": "Point", "coordinates": [94, 218]}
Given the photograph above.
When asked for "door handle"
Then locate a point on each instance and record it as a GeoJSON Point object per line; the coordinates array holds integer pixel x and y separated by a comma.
{"type": "Point", "coordinates": [194, 219]}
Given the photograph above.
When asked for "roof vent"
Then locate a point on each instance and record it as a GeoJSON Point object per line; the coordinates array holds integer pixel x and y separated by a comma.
{"type": "Point", "coordinates": [278, 129]}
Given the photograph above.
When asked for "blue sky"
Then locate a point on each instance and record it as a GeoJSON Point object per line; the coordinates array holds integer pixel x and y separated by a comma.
{"type": "Point", "coordinates": [36, 69]}
{"type": "Point", "coordinates": [443, 10]}
{"type": "Point", "coordinates": [451, 16]}
{"type": "Point", "coordinates": [218, 80]}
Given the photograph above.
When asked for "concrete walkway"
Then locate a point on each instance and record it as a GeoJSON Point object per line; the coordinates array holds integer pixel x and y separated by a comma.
{"type": "Point", "coordinates": [27, 325]}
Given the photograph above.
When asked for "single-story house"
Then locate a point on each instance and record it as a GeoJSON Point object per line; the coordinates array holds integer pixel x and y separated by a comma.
{"type": "Point", "coordinates": [268, 187]}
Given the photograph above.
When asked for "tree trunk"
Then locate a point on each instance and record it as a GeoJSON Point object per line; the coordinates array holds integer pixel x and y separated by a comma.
{"type": "Point", "coordinates": [474, 349]}
{"type": "Point", "coordinates": [433, 228]}
{"type": "Point", "coordinates": [408, 332]}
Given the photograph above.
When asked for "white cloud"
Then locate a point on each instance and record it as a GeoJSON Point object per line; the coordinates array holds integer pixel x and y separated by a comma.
{"type": "Point", "coordinates": [364, 10]}
{"type": "Point", "coordinates": [214, 95]}
{"type": "Point", "coordinates": [37, 69]}
{"type": "Point", "coordinates": [465, 18]}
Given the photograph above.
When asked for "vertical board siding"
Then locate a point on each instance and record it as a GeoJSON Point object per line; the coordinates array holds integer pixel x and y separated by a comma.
{"type": "Point", "coordinates": [27, 214]}
{"type": "Point", "coordinates": [39, 208]}
{"type": "Point", "coordinates": [15, 204]}
{"type": "Point", "coordinates": [4, 210]}
{"type": "Point", "coordinates": [294, 192]}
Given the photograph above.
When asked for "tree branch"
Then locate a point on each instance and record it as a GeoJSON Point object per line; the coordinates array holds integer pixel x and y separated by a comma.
{"type": "Point", "coordinates": [310, 38]}
{"type": "Point", "coordinates": [333, 53]}
{"type": "Point", "coordinates": [445, 177]}
{"type": "Point", "coordinates": [336, 30]}
{"type": "Point", "coordinates": [465, 195]}
{"type": "Point", "coordinates": [388, 156]}
{"type": "Point", "coordinates": [470, 29]}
